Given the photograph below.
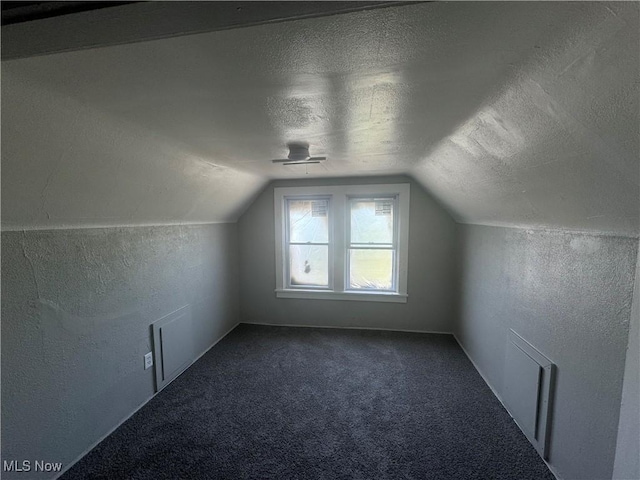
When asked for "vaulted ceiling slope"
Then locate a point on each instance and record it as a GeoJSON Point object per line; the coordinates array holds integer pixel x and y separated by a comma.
{"type": "Point", "coordinates": [518, 113]}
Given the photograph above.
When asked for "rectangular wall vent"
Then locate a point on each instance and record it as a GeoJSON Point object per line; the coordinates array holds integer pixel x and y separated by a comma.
{"type": "Point", "coordinates": [173, 345]}
{"type": "Point", "coordinates": [528, 393]}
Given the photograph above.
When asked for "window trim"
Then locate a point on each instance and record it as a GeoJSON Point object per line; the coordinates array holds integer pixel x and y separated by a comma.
{"type": "Point", "coordinates": [338, 232]}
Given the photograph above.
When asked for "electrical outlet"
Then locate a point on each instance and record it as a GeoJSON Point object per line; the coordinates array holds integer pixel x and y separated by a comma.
{"type": "Point", "coordinates": [148, 360]}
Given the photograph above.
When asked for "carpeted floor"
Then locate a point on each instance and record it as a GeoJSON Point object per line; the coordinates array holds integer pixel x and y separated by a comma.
{"type": "Point", "coordinates": [301, 403]}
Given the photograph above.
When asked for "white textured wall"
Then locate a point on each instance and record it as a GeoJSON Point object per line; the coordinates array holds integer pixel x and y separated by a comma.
{"type": "Point", "coordinates": [570, 296]}
{"type": "Point", "coordinates": [627, 463]}
{"type": "Point", "coordinates": [77, 306]}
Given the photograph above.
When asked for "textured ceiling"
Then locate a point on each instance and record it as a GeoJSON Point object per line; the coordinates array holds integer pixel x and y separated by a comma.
{"type": "Point", "coordinates": [521, 114]}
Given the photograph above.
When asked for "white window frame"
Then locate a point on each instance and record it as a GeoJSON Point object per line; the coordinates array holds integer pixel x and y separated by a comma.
{"type": "Point", "coordinates": [339, 224]}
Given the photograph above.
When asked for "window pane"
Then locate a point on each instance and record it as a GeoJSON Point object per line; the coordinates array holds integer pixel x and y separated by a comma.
{"type": "Point", "coordinates": [308, 221]}
{"type": "Point", "coordinates": [309, 265]}
{"type": "Point", "coordinates": [371, 269]}
{"type": "Point", "coordinates": [372, 220]}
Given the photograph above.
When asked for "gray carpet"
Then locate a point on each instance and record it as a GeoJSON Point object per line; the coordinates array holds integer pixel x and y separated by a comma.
{"type": "Point", "coordinates": [300, 403]}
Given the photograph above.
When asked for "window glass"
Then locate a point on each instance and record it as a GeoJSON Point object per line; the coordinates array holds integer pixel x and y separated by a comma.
{"type": "Point", "coordinates": [308, 242]}
{"type": "Point", "coordinates": [371, 269]}
{"type": "Point", "coordinates": [308, 221]}
{"type": "Point", "coordinates": [309, 265]}
{"type": "Point", "coordinates": [372, 221]}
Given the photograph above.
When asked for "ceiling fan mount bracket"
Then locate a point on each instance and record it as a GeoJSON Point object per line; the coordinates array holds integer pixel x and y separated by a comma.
{"type": "Point", "coordinates": [299, 155]}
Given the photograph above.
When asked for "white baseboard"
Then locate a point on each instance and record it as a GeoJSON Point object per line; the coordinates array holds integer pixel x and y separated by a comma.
{"type": "Point", "coordinates": [95, 444]}
{"type": "Point", "coordinates": [497, 395]}
{"type": "Point", "coordinates": [346, 328]}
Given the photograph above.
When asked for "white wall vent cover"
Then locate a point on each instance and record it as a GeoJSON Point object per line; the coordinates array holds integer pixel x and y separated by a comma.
{"type": "Point", "coordinates": [173, 345]}
{"type": "Point", "coordinates": [528, 390]}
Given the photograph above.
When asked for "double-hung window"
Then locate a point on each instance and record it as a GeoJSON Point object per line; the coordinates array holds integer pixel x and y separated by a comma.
{"type": "Point", "coordinates": [342, 242]}
{"type": "Point", "coordinates": [307, 242]}
{"type": "Point", "coordinates": [372, 246]}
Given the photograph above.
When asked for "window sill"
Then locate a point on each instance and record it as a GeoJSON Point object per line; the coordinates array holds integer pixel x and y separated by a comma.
{"type": "Point", "coordinates": [357, 296]}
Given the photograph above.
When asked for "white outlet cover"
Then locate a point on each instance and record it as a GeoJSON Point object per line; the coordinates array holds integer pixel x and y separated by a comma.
{"type": "Point", "coordinates": [148, 361]}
